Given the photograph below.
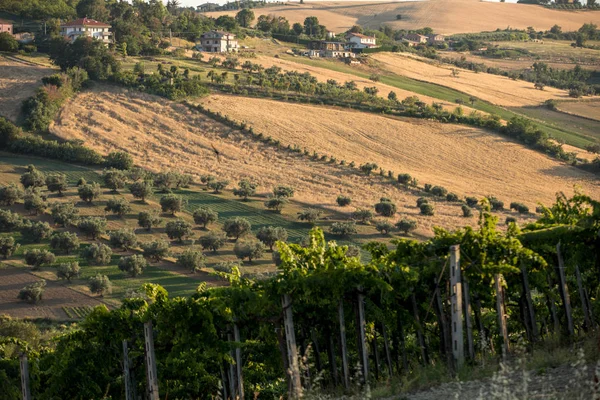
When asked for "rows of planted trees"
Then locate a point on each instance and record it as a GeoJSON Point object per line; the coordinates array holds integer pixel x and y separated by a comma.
{"type": "Point", "coordinates": [327, 320]}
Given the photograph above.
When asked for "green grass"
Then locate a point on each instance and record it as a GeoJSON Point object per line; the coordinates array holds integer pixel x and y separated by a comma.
{"type": "Point", "coordinates": [16, 164]}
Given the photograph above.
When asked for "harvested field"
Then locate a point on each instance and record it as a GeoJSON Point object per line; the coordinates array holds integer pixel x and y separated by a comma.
{"type": "Point", "coordinates": [496, 89]}
{"type": "Point", "coordinates": [18, 81]}
{"type": "Point", "coordinates": [586, 109]}
{"type": "Point", "coordinates": [466, 160]}
{"type": "Point", "coordinates": [55, 297]}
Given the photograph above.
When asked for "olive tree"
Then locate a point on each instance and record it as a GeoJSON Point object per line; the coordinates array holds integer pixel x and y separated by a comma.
{"type": "Point", "coordinates": [217, 186]}
{"type": "Point", "coordinates": [118, 206]}
{"type": "Point", "coordinates": [64, 213]}
{"type": "Point", "coordinates": [89, 192]}
{"type": "Point", "coordinates": [236, 227]}
{"type": "Point", "coordinates": [123, 239]}
{"type": "Point", "coordinates": [385, 208]}
{"type": "Point", "coordinates": [250, 248]}
{"type": "Point", "coordinates": [38, 258]}
{"type": "Point", "coordinates": [343, 229]}
{"type": "Point", "coordinates": [114, 179]}
{"type": "Point", "coordinates": [119, 160]}
{"type": "Point", "coordinates": [363, 215]}
{"type": "Point", "coordinates": [68, 270]}
{"type": "Point", "coordinates": [276, 203]}
{"type": "Point", "coordinates": [406, 225]}
{"type": "Point", "coordinates": [33, 292]}
{"type": "Point", "coordinates": [10, 194]}
{"type": "Point", "coordinates": [65, 242]}
{"type": "Point", "coordinates": [192, 260]}
{"type": "Point", "coordinates": [10, 221]}
{"type": "Point", "coordinates": [100, 284]}
{"type": "Point", "coordinates": [283, 191]}
{"type": "Point", "coordinates": [212, 241]}
{"type": "Point", "coordinates": [34, 202]}
{"type": "Point", "coordinates": [149, 219]}
{"type": "Point", "coordinates": [310, 215]}
{"type": "Point", "coordinates": [204, 216]}
{"type": "Point", "coordinates": [156, 250]}
{"type": "Point", "coordinates": [171, 203]}
{"type": "Point", "coordinates": [97, 254]}
{"type": "Point", "coordinates": [92, 227]}
{"type": "Point", "coordinates": [384, 227]}
{"type": "Point", "coordinates": [133, 265]}
{"type": "Point", "coordinates": [178, 230]}
{"type": "Point", "coordinates": [426, 209]}
{"type": "Point", "coordinates": [141, 190]}
{"type": "Point", "coordinates": [56, 183]}
{"type": "Point", "coordinates": [269, 235]}
{"type": "Point", "coordinates": [36, 231]}
{"type": "Point", "coordinates": [343, 201]}
{"type": "Point", "coordinates": [245, 189]}
{"type": "Point", "coordinates": [33, 178]}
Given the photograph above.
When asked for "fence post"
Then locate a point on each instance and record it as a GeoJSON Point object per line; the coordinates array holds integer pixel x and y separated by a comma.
{"type": "Point", "coordinates": [565, 291]}
{"type": "Point", "coordinates": [501, 314]}
{"type": "Point", "coordinates": [530, 310]}
{"type": "Point", "coordinates": [238, 364]}
{"type": "Point", "coordinates": [363, 351]}
{"type": "Point", "coordinates": [129, 391]}
{"type": "Point", "coordinates": [151, 374]}
{"type": "Point", "coordinates": [25, 376]}
{"type": "Point", "coordinates": [343, 346]}
{"type": "Point", "coordinates": [292, 350]}
{"type": "Point", "coordinates": [456, 297]}
{"type": "Point", "coordinates": [468, 321]}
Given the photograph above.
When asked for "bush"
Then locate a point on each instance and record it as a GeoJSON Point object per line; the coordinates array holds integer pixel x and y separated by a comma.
{"type": "Point", "coordinates": [118, 206]}
{"type": "Point", "coordinates": [171, 203]}
{"type": "Point", "coordinates": [64, 242]}
{"type": "Point", "coordinates": [64, 213]}
{"type": "Point", "coordinates": [343, 229]}
{"type": "Point", "coordinates": [404, 179]}
{"type": "Point", "coordinates": [33, 292]}
{"type": "Point", "coordinates": [141, 190]}
{"type": "Point", "coordinates": [495, 204]}
{"type": "Point", "coordinates": [343, 201]}
{"type": "Point", "coordinates": [283, 191]}
{"type": "Point", "coordinates": [156, 250]}
{"type": "Point", "coordinates": [217, 186]}
{"type": "Point", "coordinates": [472, 201]}
{"type": "Point", "coordinates": [123, 239]}
{"type": "Point", "coordinates": [10, 194]}
{"type": "Point", "coordinates": [10, 221]}
{"type": "Point", "coordinates": [362, 215]}
{"type": "Point", "coordinates": [310, 215]}
{"type": "Point", "coordinates": [276, 203]}
{"type": "Point", "coordinates": [34, 202]}
{"type": "Point", "coordinates": [452, 197]}
{"type": "Point", "coordinates": [164, 181]}
{"type": "Point", "coordinates": [510, 220]}
{"type": "Point", "coordinates": [204, 216]}
{"type": "Point", "coordinates": [33, 178]}
{"type": "Point", "coordinates": [68, 270]}
{"type": "Point", "coordinates": [114, 179]}
{"type": "Point", "coordinates": [467, 212]}
{"type": "Point", "coordinates": [406, 225]}
{"type": "Point", "coordinates": [421, 201]}
{"type": "Point", "coordinates": [353, 251]}
{"type": "Point", "coordinates": [426, 209]}
{"type": "Point", "coordinates": [119, 160]}
{"type": "Point", "coordinates": [236, 227]}
{"type": "Point", "coordinates": [178, 230]}
{"type": "Point", "coordinates": [246, 189]}
{"type": "Point", "coordinates": [385, 208]}
{"type": "Point", "coordinates": [8, 42]}
{"type": "Point", "coordinates": [56, 183]}
{"type": "Point", "coordinates": [92, 227]}
{"type": "Point", "coordinates": [368, 168]}
{"type": "Point", "coordinates": [133, 265]}
{"type": "Point", "coordinates": [212, 241]}
{"type": "Point", "coordinates": [89, 192]}
{"type": "Point", "coordinates": [192, 260]}
{"type": "Point", "coordinates": [100, 284]}
{"type": "Point", "coordinates": [148, 219]}
{"type": "Point", "coordinates": [269, 235]}
{"type": "Point", "coordinates": [384, 227]}
{"type": "Point", "coordinates": [250, 248]}
{"type": "Point", "coordinates": [439, 191]}
{"type": "Point", "coordinates": [36, 231]}
{"type": "Point", "coordinates": [38, 258]}
{"type": "Point", "coordinates": [97, 254]}
{"type": "Point", "coordinates": [519, 207]}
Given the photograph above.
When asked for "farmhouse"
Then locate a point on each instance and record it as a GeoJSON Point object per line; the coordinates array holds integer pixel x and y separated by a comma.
{"type": "Point", "coordinates": [207, 7]}
{"type": "Point", "coordinates": [360, 41]}
{"type": "Point", "coordinates": [6, 26]}
{"type": "Point", "coordinates": [415, 37]}
{"type": "Point", "coordinates": [324, 48]}
{"type": "Point", "coordinates": [86, 27]}
{"type": "Point", "coordinates": [435, 39]}
{"type": "Point", "coordinates": [218, 42]}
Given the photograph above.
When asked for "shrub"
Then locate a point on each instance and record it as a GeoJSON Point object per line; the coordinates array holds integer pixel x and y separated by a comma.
{"type": "Point", "coordinates": [510, 220]}
{"type": "Point", "coordinates": [343, 201]}
{"type": "Point", "coordinates": [171, 203]}
{"type": "Point", "coordinates": [385, 208]}
{"type": "Point", "coordinates": [118, 206]}
{"type": "Point", "coordinates": [119, 160]}
{"type": "Point", "coordinates": [148, 219]}
{"type": "Point", "coordinates": [164, 181]}
{"type": "Point", "coordinates": [426, 209]}
{"type": "Point", "coordinates": [439, 191]}
{"type": "Point", "coordinates": [123, 239]}
{"type": "Point", "coordinates": [68, 270]}
{"type": "Point", "coordinates": [367, 168]}
{"type": "Point", "coordinates": [421, 201]}
{"type": "Point", "coordinates": [178, 230]}
{"type": "Point", "coordinates": [92, 227]}
{"type": "Point", "coordinates": [10, 194]}
{"type": "Point", "coordinates": [269, 235]}
{"type": "Point", "coordinates": [217, 186]}
{"type": "Point", "coordinates": [56, 183]}
{"type": "Point", "coordinates": [156, 250]}
{"type": "Point", "coordinates": [276, 203]}
{"type": "Point", "coordinates": [38, 258]}
{"type": "Point", "coordinates": [452, 197]}
{"type": "Point", "coordinates": [236, 227]}
{"type": "Point", "coordinates": [353, 251]}
{"type": "Point", "coordinates": [384, 227]}
{"type": "Point", "coordinates": [100, 284]}
{"type": "Point", "coordinates": [89, 192]}
{"type": "Point", "coordinates": [34, 202]}
{"type": "Point", "coordinates": [33, 178]}
{"type": "Point", "coordinates": [343, 229]}
{"type": "Point", "coordinates": [36, 231]}
{"type": "Point", "coordinates": [114, 179]}
{"type": "Point", "coordinates": [472, 201]}
{"type": "Point", "coordinates": [310, 215]}
{"type": "Point", "coordinates": [362, 215]}
{"type": "Point", "coordinates": [10, 221]}
{"type": "Point", "coordinates": [65, 242]}
{"type": "Point", "coordinates": [81, 182]}
{"type": "Point", "coordinates": [212, 241]}
{"type": "Point", "coordinates": [519, 207]}
{"type": "Point", "coordinates": [406, 225]}
{"type": "Point", "coordinates": [204, 216]}
{"type": "Point", "coordinates": [283, 191]}
{"type": "Point", "coordinates": [64, 213]}
{"type": "Point", "coordinates": [427, 187]}
{"type": "Point", "coordinates": [97, 254]}
{"type": "Point", "coordinates": [495, 204]}
{"type": "Point", "coordinates": [250, 248]}
{"type": "Point", "coordinates": [192, 260]}
{"type": "Point", "coordinates": [8, 42]}
{"type": "Point", "coordinates": [404, 179]}
{"type": "Point", "coordinates": [467, 212]}
{"type": "Point", "coordinates": [246, 189]}
{"type": "Point", "coordinates": [133, 265]}
{"type": "Point", "coordinates": [33, 292]}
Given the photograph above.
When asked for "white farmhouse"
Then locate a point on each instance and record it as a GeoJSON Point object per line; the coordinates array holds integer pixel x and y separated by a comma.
{"type": "Point", "coordinates": [86, 27]}
{"type": "Point", "coordinates": [360, 41]}
{"type": "Point", "coordinates": [218, 42]}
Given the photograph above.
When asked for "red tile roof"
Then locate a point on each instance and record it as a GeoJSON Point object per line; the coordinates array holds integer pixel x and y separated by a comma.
{"type": "Point", "coordinates": [5, 22]}
{"type": "Point", "coordinates": [86, 22]}
{"type": "Point", "coordinates": [360, 35]}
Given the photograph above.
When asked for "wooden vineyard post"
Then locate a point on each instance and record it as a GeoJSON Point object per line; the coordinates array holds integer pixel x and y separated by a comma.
{"type": "Point", "coordinates": [468, 322]}
{"type": "Point", "coordinates": [129, 389]}
{"type": "Point", "coordinates": [362, 340]}
{"type": "Point", "coordinates": [420, 337]}
{"type": "Point", "coordinates": [24, 363]}
{"type": "Point", "coordinates": [295, 385]}
{"type": "Point", "coordinates": [456, 297]}
{"type": "Point", "coordinates": [151, 374]}
{"type": "Point", "coordinates": [386, 346]}
{"type": "Point", "coordinates": [530, 310]}
{"type": "Point", "coordinates": [564, 289]}
{"type": "Point", "coordinates": [238, 364]}
{"type": "Point", "coordinates": [503, 330]}
{"type": "Point", "coordinates": [344, 348]}
{"type": "Point", "coordinates": [583, 297]}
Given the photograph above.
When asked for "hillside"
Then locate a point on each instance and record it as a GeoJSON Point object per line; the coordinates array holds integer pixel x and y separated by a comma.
{"type": "Point", "coordinates": [444, 16]}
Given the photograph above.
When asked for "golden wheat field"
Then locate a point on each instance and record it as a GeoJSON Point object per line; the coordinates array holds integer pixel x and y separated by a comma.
{"type": "Point", "coordinates": [18, 81]}
{"type": "Point", "coordinates": [161, 135]}
{"type": "Point", "coordinates": [587, 109]}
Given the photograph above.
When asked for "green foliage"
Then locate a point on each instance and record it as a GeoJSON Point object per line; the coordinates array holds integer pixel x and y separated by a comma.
{"type": "Point", "coordinates": [141, 189]}
{"type": "Point", "coordinates": [133, 265]}
{"type": "Point", "coordinates": [367, 168]}
{"type": "Point", "coordinates": [119, 206]}
{"type": "Point", "coordinates": [10, 221]}
{"type": "Point", "coordinates": [97, 254]}
{"type": "Point", "coordinates": [149, 219]}
{"type": "Point", "coordinates": [64, 242]}
{"type": "Point", "coordinates": [472, 201]}
{"type": "Point", "coordinates": [171, 203]}
{"type": "Point", "coordinates": [343, 201]}
{"type": "Point", "coordinates": [156, 250]}
{"type": "Point", "coordinates": [34, 202]}
{"type": "Point", "coordinates": [426, 209]}
{"type": "Point", "coordinates": [217, 186]}
{"type": "Point", "coordinates": [236, 227]}
{"type": "Point", "coordinates": [250, 248]}
{"type": "Point", "coordinates": [64, 213]}
{"type": "Point", "coordinates": [123, 239]}
{"type": "Point", "coordinates": [276, 203]}
{"type": "Point", "coordinates": [343, 229]}
{"type": "Point", "coordinates": [56, 183]}
{"type": "Point", "coordinates": [90, 55]}
{"type": "Point", "coordinates": [8, 246]}
{"type": "Point", "coordinates": [510, 220]}
{"type": "Point", "coordinates": [269, 235]}
{"type": "Point", "coordinates": [363, 215]}
{"type": "Point", "coordinates": [310, 215]}
{"type": "Point", "coordinates": [68, 270]}
{"type": "Point", "coordinates": [385, 208]}
{"type": "Point", "coordinates": [519, 207]}
{"type": "Point", "coordinates": [10, 194]}
{"type": "Point", "coordinates": [453, 197]}
{"type": "Point", "coordinates": [205, 216]}
{"type": "Point", "coordinates": [89, 192]}
{"type": "Point", "coordinates": [191, 260]}
{"type": "Point", "coordinates": [179, 230]}
{"type": "Point", "coordinates": [100, 284]}
{"type": "Point", "coordinates": [283, 191]}
{"type": "Point", "coordinates": [404, 179]}
{"type": "Point", "coordinates": [33, 178]}
{"type": "Point", "coordinates": [114, 179]}
{"type": "Point", "coordinates": [439, 191]}
{"type": "Point", "coordinates": [119, 160]}
{"type": "Point", "coordinates": [384, 227]}
{"type": "Point", "coordinates": [212, 241]}
{"type": "Point", "coordinates": [8, 42]}
{"type": "Point", "coordinates": [406, 225]}
{"type": "Point", "coordinates": [33, 292]}
{"type": "Point", "coordinates": [466, 210]}
{"type": "Point", "coordinates": [92, 227]}
{"type": "Point", "coordinates": [36, 231]}
{"type": "Point", "coordinates": [496, 204]}
{"type": "Point", "coordinates": [246, 188]}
